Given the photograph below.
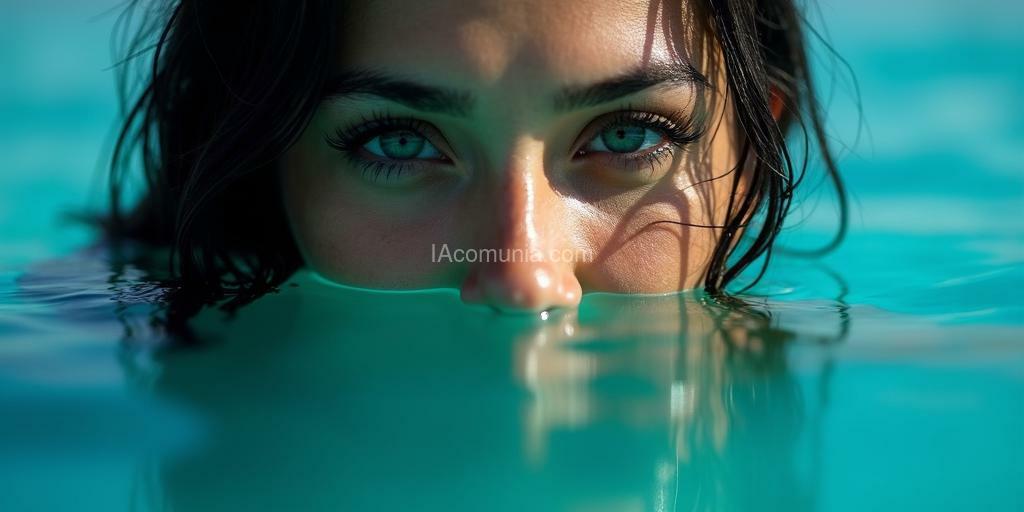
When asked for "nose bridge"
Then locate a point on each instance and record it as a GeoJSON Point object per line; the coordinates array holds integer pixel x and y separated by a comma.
{"type": "Point", "coordinates": [525, 230]}
{"type": "Point", "coordinates": [522, 203]}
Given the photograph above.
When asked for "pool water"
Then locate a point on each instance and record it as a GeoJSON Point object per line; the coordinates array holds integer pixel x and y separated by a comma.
{"type": "Point", "coordinates": [888, 375]}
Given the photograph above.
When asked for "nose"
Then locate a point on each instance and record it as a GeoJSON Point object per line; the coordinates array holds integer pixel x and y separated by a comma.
{"type": "Point", "coordinates": [526, 255]}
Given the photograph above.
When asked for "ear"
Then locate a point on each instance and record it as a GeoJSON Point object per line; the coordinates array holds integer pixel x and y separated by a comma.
{"type": "Point", "coordinates": [776, 103]}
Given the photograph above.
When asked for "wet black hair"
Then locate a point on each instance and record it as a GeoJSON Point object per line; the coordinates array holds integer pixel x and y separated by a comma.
{"type": "Point", "coordinates": [214, 92]}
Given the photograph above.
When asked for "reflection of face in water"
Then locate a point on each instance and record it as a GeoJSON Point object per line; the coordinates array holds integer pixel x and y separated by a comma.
{"type": "Point", "coordinates": [317, 398]}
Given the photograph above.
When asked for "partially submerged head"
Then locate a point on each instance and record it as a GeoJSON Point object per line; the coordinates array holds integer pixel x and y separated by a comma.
{"type": "Point", "coordinates": [523, 151]}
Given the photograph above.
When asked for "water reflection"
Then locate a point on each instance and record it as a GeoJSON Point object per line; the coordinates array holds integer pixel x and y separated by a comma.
{"type": "Point", "coordinates": [320, 398]}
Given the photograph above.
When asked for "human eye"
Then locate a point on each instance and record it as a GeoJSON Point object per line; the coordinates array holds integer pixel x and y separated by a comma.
{"type": "Point", "coordinates": [391, 150]}
{"type": "Point", "coordinates": [624, 138]}
{"type": "Point", "coordinates": [630, 140]}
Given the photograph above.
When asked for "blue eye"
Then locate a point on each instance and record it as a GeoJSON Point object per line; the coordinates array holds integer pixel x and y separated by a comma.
{"type": "Point", "coordinates": [624, 138]}
{"type": "Point", "coordinates": [392, 151]}
{"type": "Point", "coordinates": [401, 145]}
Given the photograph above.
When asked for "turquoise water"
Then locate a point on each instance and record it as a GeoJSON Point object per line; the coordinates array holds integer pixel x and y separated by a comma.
{"type": "Point", "coordinates": [886, 376]}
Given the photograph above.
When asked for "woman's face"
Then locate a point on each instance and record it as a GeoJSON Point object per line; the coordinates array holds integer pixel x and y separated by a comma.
{"type": "Point", "coordinates": [523, 151]}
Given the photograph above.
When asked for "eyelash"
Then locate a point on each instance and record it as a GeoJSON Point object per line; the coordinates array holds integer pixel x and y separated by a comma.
{"type": "Point", "coordinates": [350, 141]}
{"type": "Point", "coordinates": [679, 130]}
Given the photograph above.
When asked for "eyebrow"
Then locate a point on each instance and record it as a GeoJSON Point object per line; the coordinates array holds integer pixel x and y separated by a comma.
{"type": "Point", "coordinates": [442, 100]}
{"type": "Point", "coordinates": [655, 74]}
{"type": "Point", "coordinates": [426, 98]}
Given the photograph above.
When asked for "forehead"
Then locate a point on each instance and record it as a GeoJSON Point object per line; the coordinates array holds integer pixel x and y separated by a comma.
{"type": "Point", "coordinates": [505, 41]}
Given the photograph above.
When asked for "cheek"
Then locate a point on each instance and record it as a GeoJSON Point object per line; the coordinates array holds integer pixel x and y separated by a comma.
{"type": "Point", "coordinates": [645, 246]}
{"type": "Point", "coordinates": [663, 241]}
{"type": "Point", "coordinates": [348, 234]}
